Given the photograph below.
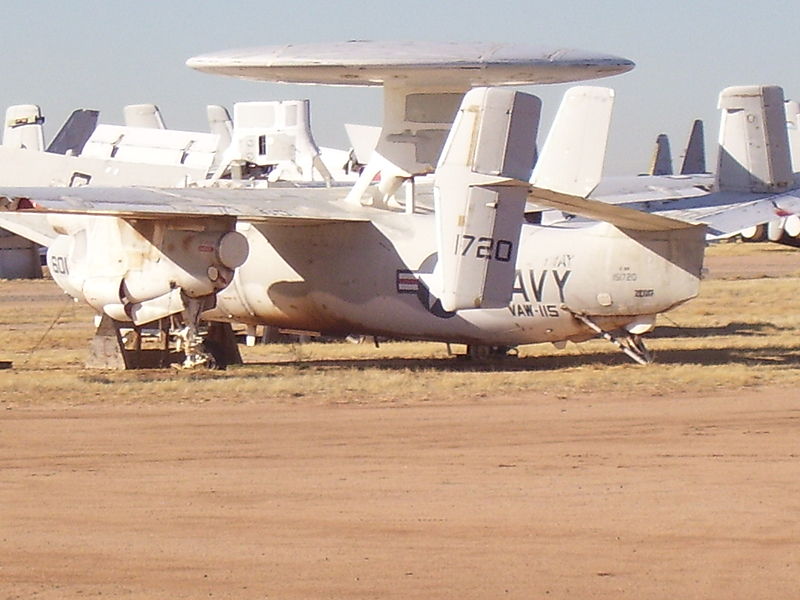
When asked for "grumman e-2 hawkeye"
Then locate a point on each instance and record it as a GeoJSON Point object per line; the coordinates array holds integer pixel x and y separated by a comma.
{"type": "Point", "coordinates": [380, 258]}
{"type": "Point", "coordinates": [758, 160]}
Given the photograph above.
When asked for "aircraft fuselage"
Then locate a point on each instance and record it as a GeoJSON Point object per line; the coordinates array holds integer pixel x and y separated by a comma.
{"type": "Point", "coordinates": [380, 278]}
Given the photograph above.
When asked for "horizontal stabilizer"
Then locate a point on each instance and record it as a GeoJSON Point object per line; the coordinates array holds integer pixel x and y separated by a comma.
{"type": "Point", "coordinates": [23, 168]}
{"type": "Point", "coordinates": [753, 142]}
{"type": "Point", "coordinates": [480, 196]}
{"type": "Point", "coordinates": [571, 160]}
{"type": "Point", "coordinates": [620, 216]}
{"type": "Point", "coordinates": [152, 146]}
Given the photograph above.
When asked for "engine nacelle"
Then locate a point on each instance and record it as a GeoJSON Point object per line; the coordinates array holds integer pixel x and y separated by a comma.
{"type": "Point", "coordinates": [141, 271]}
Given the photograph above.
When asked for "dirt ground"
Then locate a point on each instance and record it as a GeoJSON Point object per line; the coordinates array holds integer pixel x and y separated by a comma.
{"type": "Point", "coordinates": [539, 495]}
{"type": "Point", "coordinates": [529, 497]}
{"type": "Point", "coordinates": [778, 262]}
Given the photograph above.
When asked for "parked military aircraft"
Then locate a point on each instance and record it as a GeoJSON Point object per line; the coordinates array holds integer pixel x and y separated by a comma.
{"type": "Point", "coordinates": [755, 163]}
{"type": "Point", "coordinates": [455, 262]}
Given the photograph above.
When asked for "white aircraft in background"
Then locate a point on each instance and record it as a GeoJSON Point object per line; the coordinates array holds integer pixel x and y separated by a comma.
{"type": "Point", "coordinates": [262, 143]}
{"type": "Point", "coordinates": [455, 261]}
{"type": "Point", "coordinates": [759, 157]}
{"type": "Point", "coordinates": [650, 191]}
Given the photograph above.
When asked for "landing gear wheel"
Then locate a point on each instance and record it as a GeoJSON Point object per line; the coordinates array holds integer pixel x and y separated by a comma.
{"type": "Point", "coordinates": [216, 360]}
{"type": "Point", "coordinates": [479, 353]}
{"type": "Point", "coordinates": [637, 344]}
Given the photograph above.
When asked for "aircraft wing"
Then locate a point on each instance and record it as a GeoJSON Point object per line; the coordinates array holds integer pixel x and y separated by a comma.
{"type": "Point", "coordinates": [723, 212]}
{"type": "Point", "coordinates": [731, 217]}
{"type": "Point", "coordinates": [284, 205]}
{"type": "Point", "coordinates": [31, 227]}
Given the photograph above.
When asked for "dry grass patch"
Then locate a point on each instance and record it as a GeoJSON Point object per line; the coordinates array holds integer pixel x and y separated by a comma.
{"type": "Point", "coordinates": [738, 333]}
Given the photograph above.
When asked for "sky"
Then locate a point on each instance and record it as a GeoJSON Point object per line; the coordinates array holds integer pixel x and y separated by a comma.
{"type": "Point", "coordinates": [104, 54]}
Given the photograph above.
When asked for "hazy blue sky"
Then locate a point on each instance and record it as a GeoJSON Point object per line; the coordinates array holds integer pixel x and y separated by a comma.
{"type": "Point", "coordinates": [105, 54]}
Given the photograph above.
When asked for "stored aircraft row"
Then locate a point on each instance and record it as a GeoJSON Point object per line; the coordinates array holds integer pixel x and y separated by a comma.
{"type": "Point", "coordinates": [448, 234]}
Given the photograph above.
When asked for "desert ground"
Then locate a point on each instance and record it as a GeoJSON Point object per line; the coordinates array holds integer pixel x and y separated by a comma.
{"type": "Point", "coordinates": [348, 471]}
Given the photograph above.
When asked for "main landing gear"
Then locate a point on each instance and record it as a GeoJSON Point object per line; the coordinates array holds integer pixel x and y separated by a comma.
{"type": "Point", "coordinates": [179, 341]}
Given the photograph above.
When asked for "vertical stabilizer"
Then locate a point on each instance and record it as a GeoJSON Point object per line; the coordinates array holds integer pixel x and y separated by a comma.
{"type": "Point", "coordinates": [220, 124]}
{"type": "Point", "coordinates": [23, 127]}
{"type": "Point", "coordinates": [662, 156]}
{"type": "Point", "coordinates": [480, 195]}
{"type": "Point", "coordinates": [694, 160]}
{"type": "Point", "coordinates": [792, 109]}
{"type": "Point", "coordinates": [147, 116]}
{"type": "Point", "coordinates": [753, 142]}
{"type": "Point", "coordinates": [74, 133]}
{"type": "Point", "coordinates": [571, 160]}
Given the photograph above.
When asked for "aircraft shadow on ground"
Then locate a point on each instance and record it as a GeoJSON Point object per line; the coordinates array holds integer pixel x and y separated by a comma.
{"type": "Point", "coordinates": [734, 328]}
{"type": "Point", "coordinates": [722, 355]}
{"type": "Point", "coordinates": [770, 355]}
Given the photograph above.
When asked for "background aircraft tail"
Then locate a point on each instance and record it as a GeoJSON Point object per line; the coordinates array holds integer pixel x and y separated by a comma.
{"type": "Point", "coordinates": [147, 116]}
{"type": "Point", "coordinates": [753, 141]}
{"type": "Point", "coordinates": [694, 160]}
{"type": "Point", "coordinates": [480, 192]}
{"type": "Point", "coordinates": [792, 110]}
{"type": "Point", "coordinates": [23, 127]}
{"type": "Point", "coordinates": [661, 164]}
{"type": "Point", "coordinates": [74, 133]}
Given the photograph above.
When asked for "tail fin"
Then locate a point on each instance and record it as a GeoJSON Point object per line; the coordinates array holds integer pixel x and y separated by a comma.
{"type": "Point", "coordinates": [754, 146]}
{"type": "Point", "coordinates": [220, 124]}
{"type": "Point", "coordinates": [74, 133]}
{"type": "Point", "coordinates": [792, 109]}
{"type": "Point", "coordinates": [662, 157]}
{"type": "Point", "coordinates": [23, 127]}
{"type": "Point", "coordinates": [571, 160]}
{"type": "Point", "coordinates": [147, 116]}
{"type": "Point", "coordinates": [480, 193]}
{"type": "Point", "coordinates": [694, 161]}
